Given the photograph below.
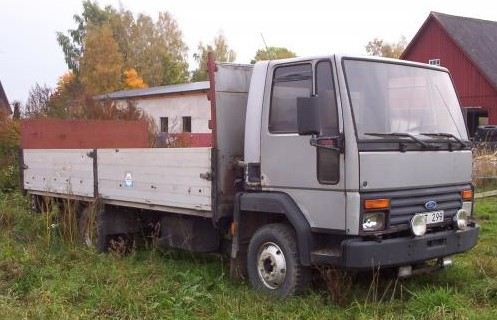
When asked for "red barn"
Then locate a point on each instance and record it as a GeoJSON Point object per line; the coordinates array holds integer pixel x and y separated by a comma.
{"type": "Point", "coordinates": [468, 48]}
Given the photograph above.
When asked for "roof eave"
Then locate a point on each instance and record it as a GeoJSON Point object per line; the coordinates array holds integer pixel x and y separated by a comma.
{"type": "Point", "coordinates": [417, 36]}
{"type": "Point", "coordinates": [144, 96]}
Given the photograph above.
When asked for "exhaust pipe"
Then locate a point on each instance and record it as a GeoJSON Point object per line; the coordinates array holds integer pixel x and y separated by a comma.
{"type": "Point", "coordinates": [408, 271]}
{"type": "Point", "coordinates": [404, 271]}
{"type": "Point", "coordinates": [445, 262]}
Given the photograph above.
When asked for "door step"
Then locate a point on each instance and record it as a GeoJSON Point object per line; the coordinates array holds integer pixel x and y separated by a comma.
{"type": "Point", "coordinates": [326, 256]}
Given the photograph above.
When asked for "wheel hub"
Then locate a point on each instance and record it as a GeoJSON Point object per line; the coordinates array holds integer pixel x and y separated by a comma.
{"type": "Point", "coordinates": [271, 265]}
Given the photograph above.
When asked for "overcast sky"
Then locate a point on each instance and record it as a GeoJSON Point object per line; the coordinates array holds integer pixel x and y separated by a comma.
{"type": "Point", "coordinates": [29, 52]}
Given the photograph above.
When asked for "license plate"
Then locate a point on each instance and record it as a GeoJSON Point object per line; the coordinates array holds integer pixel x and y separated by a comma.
{"type": "Point", "coordinates": [434, 216]}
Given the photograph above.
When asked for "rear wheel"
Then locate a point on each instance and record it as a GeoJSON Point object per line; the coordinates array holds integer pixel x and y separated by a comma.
{"type": "Point", "coordinates": [41, 204]}
{"type": "Point", "coordinates": [91, 230]}
{"type": "Point", "coordinates": [273, 262]}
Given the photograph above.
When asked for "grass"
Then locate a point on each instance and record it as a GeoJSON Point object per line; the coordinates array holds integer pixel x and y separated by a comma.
{"type": "Point", "coordinates": [43, 277]}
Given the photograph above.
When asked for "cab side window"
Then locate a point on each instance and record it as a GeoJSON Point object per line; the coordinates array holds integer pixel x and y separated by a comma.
{"type": "Point", "coordinates": [327, 160]}
{"type": "Point", "coordinates": [289, 83]}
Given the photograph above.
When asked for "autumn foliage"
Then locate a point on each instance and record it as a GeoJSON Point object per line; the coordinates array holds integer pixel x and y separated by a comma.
{"type": "Point", "coordinates": [102, 63]}
{"type": "Point", "coordinates": [132, 80]}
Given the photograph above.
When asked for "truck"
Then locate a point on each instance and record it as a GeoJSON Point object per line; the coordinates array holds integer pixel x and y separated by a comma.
{"type": "Point", "coordinates": [357, 163]}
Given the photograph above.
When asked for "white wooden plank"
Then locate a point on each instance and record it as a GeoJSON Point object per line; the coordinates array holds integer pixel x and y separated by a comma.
{"type": "Point", "coordinates": [59, 171]}
{"type": "Point", "coordinates": [160, 177]}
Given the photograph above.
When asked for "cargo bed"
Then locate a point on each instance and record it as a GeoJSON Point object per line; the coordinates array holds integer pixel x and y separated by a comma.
{"type": "Point", "coordinates": [167, 179]}
{"type": "Point", "coordinates": [111, 161]}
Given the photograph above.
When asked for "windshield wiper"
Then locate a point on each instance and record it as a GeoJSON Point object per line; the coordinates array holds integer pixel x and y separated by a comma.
{"type": "Point", "coordinates": [423, 144]}
{"type": "Point", "coordinates": [447, 135]}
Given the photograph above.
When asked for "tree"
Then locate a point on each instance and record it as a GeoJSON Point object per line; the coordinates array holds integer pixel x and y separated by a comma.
{"type": "Point", "coordinates": [132, 80]}
{"type": "Point", "coordinates": [378, 47]}
{"type": "Point", "coordinates": [102, 63]}
{"type": "Point", "coordinates": [155, 50]}
{"type": "Point", "coordinates": [174, 58]}
{"type": "Point", "coordinates": [273, 53]}
{"type": "Point", "coordinates": [38, 103]}
{"type": "Point", "coordinates": [73, 44]}
{"type": "Point", "coordinates": [65, 98]}
{"type": "Point", "coordinates": [221, 52]}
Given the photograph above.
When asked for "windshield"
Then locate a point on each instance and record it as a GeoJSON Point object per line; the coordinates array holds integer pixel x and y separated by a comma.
{"type": "Point", "coordinates": [394, 98]}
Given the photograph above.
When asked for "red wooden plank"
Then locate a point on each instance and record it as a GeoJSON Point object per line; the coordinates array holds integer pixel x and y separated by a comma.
{"type": "Point", "coordinates": [198, 139]}
{"type": "Point", "coordinates": [83, 134]}
{"type": "Point", "coordinates": [184, 140]}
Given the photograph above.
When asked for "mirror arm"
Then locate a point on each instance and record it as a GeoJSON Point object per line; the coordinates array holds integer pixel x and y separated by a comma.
{"type": "Point", "coordinates": [331, 142]}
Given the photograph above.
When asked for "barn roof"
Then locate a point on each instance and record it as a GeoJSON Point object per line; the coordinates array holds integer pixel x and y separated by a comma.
{"type": "Point", "coordinates": [4, 102]}
{"type": "Point", "coordinates": [475, 37]}
{"type": "Point", "coordinates": [156, 91]}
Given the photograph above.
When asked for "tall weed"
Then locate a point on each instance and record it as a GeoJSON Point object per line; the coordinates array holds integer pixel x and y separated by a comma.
{"type": "Point", "coordinates": [484, 167]}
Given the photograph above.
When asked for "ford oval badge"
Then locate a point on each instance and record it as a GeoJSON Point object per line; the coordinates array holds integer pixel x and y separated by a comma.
{"type": "Point", "coordinates": [431, 205]}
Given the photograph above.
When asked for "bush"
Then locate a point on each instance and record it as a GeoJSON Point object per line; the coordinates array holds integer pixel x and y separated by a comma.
{"type": "Point", "coordinates": [9, 154]}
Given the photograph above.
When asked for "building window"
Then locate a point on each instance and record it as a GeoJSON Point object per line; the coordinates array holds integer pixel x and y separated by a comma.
{"type": "Point", "coordinates": [434, 62]}
{"type": "Point", "coordinates": [164, 124]}
{"type": "Point", "coordinates": [187, 124]}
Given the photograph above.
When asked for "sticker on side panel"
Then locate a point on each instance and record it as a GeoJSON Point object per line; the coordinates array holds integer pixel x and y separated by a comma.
{"type": "Point", "coordinates": [128, 180]}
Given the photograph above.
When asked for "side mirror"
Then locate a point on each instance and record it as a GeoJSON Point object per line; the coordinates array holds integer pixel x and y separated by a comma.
{"type": "Point", "coordinates": [308, 116]}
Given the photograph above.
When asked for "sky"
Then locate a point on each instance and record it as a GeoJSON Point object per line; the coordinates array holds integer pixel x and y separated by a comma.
{"type": "Point", "coordinates": [30, 54]}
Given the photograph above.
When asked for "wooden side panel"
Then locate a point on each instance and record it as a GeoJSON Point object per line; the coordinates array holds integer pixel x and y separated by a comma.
{"type": "Point", "coordinates": [82, 134]}
{"type": "Point", "coordinates": [67, 172]}
{"type": "Point", "coordinates": [156, 178]}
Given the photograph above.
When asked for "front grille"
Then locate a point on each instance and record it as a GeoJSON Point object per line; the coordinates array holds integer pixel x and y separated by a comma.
{"type": "Point", "coordinates": [405, 203]}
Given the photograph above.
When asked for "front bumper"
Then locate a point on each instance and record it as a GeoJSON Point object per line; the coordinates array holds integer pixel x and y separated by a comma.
{"type": "Point", "coordinates": [359, 254]}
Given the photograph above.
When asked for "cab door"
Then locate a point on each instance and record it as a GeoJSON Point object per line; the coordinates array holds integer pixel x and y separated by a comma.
{"type": "Point", "coordinates": [312, 176]}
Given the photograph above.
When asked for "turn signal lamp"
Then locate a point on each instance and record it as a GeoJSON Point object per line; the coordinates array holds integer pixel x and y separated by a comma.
{"type": "Point", "coordinates": [373, 204]}
{"type": "Point", "coordinates": [467, 195]}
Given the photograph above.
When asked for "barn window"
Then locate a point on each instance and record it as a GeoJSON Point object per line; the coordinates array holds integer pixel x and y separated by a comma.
{"type": "Point", "coordinates": [434, 62]}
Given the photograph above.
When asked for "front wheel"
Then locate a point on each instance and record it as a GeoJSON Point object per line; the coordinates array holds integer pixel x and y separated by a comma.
{"type": "Point", "coordinates": [273, 262]}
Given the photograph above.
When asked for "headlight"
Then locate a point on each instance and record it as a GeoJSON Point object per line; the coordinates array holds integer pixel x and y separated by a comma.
{"type": "Point", "coordinates": [373, 221]}
{"type": "Point", "coordinates": [418, 224]}
{"type": "Point", "coordinates": [461, 219]}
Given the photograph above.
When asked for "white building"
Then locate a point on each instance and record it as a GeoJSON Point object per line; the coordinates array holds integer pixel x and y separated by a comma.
{"type": "Point", "coordinates": [182, 108]}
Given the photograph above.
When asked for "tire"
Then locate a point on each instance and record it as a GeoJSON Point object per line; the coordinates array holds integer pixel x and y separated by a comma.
{"type": "Point", "coordinates": [90, 229]}
{"type": "Point", "coordinates": [41, 204]}
{"type": "Point", "coordinates": [36, 204]}
{"type": "Point", "coordinates": [273, 262]}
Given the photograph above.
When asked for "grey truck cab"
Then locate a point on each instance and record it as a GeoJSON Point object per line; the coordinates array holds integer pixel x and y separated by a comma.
{"type": "Point", "coordinates": [354, 162]}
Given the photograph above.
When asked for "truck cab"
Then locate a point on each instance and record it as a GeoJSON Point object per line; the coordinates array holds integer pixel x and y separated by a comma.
{"type": "Point", "coordinates": [364, 161]}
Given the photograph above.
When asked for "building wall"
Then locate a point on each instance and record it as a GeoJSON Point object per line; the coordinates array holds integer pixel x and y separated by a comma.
{"type": "Point", "coordinates": [175, 107]}
{"type": "Point", "coordinates": [473, 88]}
